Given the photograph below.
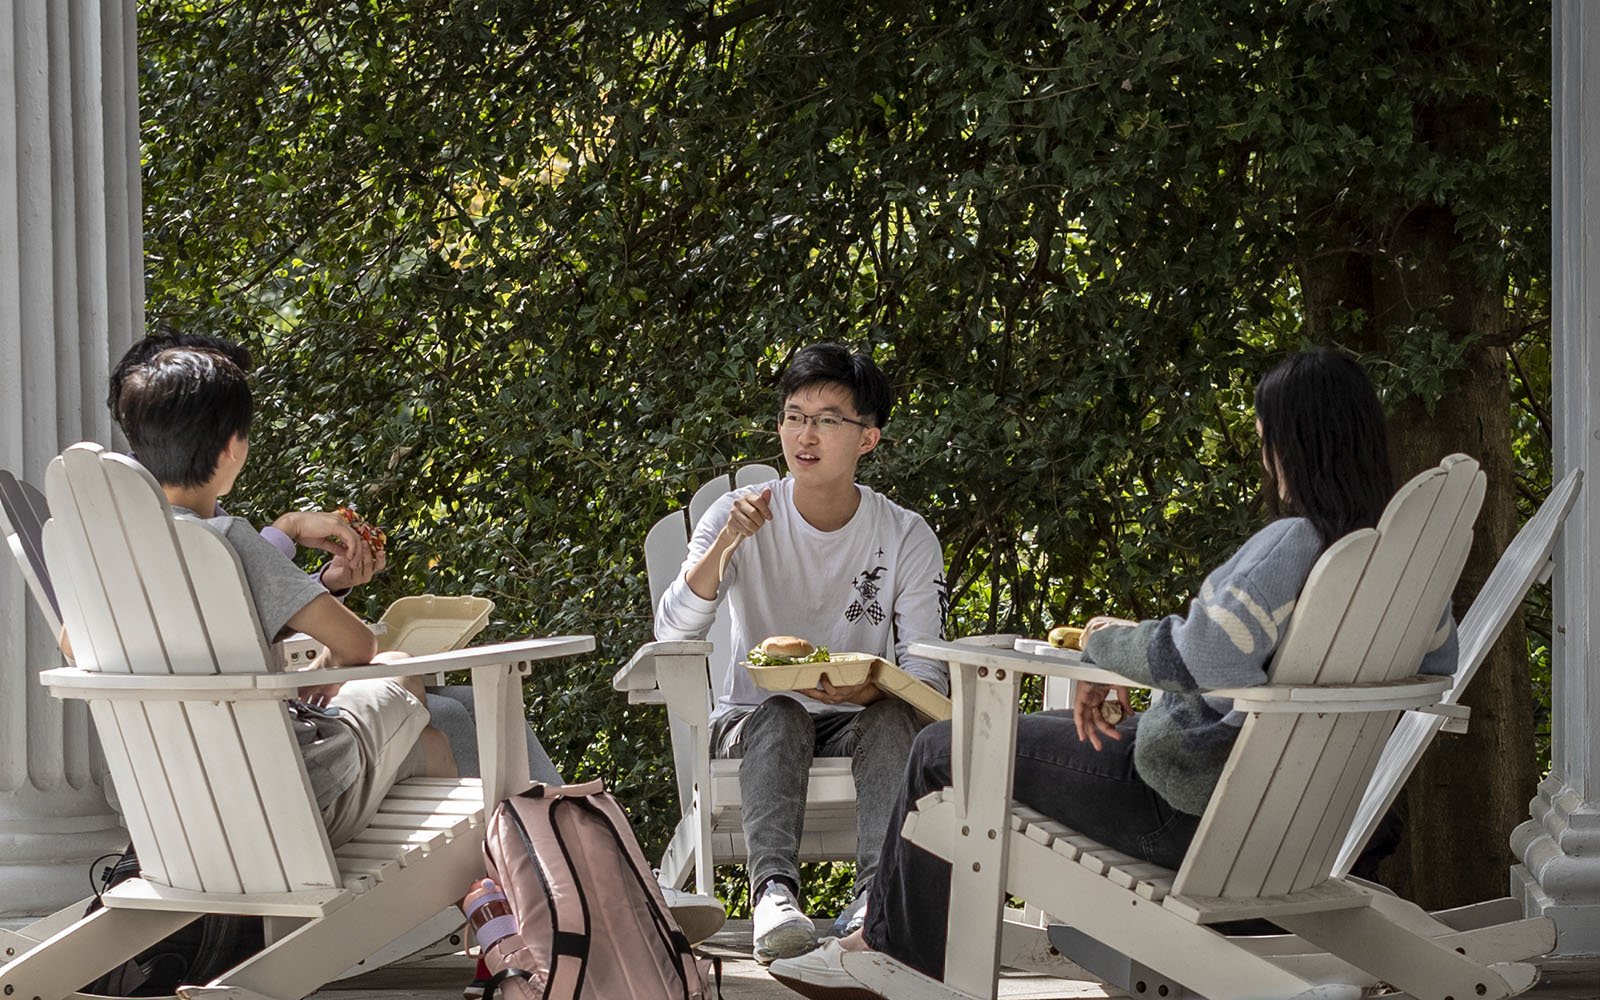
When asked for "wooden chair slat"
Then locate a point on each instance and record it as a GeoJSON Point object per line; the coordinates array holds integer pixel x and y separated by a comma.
{"type": "Point", "coordinates": [1371, 732]}
{"type": "Point", "coordinates": [144, 523]}
{"type": "Point", "coordinates": [1221, 833]}
{"type": "Point", "coordinates": [236, 645]}
{"type": "Point", "coordinates": [109, 559]}
{"type": "Point", "coordinates": [246, 829]}
{"type": "Point", "coordinates": [286, 798]}
{"type": "Point", "coordinates": [195, 795]}
{"type": "Point", "coordinates": [155, 797]}
{"type": "Point", "coordinates": [119, 762]}
{"type": "Point", "coordinates": [1330, 588]}
{"type": "Point", "coordinates": [86, 611]}
{"type": "Point", "coordinates": [23, 512]}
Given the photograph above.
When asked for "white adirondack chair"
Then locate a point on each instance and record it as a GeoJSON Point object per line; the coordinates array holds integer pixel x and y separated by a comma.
{"type": "Point", "coordinates": [188, 702]}
{"type": "Point", "coordinates": [1267, 843]}
{"type": "Point", "coordinates": [685, 676]}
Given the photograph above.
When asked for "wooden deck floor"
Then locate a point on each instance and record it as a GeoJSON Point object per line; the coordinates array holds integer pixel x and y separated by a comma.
{"type": "Point", "coordinates": [743, 979]}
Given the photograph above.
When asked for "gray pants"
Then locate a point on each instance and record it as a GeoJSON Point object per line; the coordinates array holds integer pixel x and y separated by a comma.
{"type": "Point", "coordinates": [777, 741]}
{"type": "Point", "coordinates": [451, 711]}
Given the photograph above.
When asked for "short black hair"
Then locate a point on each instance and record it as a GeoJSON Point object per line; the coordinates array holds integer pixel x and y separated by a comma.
{"type": "Point", "coordinates": [147, 348]}
{"type": "Point", "coordinates": [180, 409]}
{"type": "Point", "coordinates": [837, 364]}
{"type": "Point", "coordinates": [1322, 422]}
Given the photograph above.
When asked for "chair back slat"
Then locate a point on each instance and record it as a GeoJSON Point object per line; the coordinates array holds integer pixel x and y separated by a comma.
{"type": "Point", "coordinates": [215, 794]}
{"type": "Point", "coordinates": [151, 795]}
{"type": "Point", "coordinates": [230, 636]}
{"type": "Point", "coordinates": [195, 792]}
{"type": "Point", "coordinates": [129, 783]}
{"type": "Point", "coordinates": [23, 513]}
{"type": "Point", "coordinates": [1293, 780]}
{"type": "Point", "coordinates": [301, 855]}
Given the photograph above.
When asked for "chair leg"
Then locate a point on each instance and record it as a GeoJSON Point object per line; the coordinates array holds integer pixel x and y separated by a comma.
{"type": "Point", "coordinates": [311, 956]}
{"type": "Point", "coordinates": [94, 944]}
{"type": "Point", "coordinates": [1384, 946]}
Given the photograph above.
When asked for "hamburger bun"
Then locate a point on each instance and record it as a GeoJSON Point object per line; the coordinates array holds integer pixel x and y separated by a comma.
{"type": "Point", "coordinates": [786, 645]}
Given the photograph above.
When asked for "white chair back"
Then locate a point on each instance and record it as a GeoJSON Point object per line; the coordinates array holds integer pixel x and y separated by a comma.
{"type": "Point", "coordinates": [1367, 614]}
{"type": "Point", "coordinates": [205, 790]}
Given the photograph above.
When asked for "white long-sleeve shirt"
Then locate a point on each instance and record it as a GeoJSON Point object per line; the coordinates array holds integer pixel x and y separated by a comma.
{"type": "Point", "coordinates": [873, 586]}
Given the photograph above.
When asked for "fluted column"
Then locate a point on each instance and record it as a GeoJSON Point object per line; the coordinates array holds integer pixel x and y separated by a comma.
{"type": "Point", "coordinates": [71, 296]}
{"type": "Point", "coordinates": [1560, 846]}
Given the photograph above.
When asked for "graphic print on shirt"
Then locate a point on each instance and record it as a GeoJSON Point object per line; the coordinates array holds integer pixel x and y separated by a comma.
{"type": "Point", "coordinates": [943, 587]}
{"type": "Point", "coordinates": [866, 602]}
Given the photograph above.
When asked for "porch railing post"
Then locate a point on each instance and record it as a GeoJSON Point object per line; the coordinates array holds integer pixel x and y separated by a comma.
{"type": "Point", "coordinates": [1560, 846]}
{"type": "Point", "coordinates": [71, 294]}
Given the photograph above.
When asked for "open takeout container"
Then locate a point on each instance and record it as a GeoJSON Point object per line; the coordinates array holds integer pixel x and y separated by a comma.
{"type": "Point", "coordinates": [428, 624]}
{"type": "Point", "coordinates": [849, 669]}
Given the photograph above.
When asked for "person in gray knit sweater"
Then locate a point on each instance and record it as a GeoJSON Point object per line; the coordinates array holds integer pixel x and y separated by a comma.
{"type": "Point", "coordinates": [1141, 784]}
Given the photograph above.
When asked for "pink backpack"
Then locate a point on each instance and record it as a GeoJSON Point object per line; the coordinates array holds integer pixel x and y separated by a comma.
{"type": "Point", "coordinates": [591, 923]}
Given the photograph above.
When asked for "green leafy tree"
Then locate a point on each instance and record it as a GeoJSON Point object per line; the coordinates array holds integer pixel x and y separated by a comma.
{"type": "Point", "coordinates": [521, 274]}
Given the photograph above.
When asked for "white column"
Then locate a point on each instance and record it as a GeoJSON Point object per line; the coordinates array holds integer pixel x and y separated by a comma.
{"type": "Point", "coordinates": [1560, 846]}
{"type": "Point", "coordinates": [71, 295]}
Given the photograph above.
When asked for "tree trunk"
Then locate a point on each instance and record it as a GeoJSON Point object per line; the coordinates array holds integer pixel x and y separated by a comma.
{"type": "Point", "coordinates": [1469, 791]}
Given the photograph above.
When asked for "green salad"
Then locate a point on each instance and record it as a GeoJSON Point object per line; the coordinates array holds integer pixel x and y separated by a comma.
{"type": "Point", "coordinates": [760, 659]}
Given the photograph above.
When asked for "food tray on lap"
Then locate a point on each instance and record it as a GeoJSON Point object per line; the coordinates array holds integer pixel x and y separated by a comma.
{"type": "Point", "coordinates": [841, 669]}
{"type": "Point", "coordinates": [850, 669]}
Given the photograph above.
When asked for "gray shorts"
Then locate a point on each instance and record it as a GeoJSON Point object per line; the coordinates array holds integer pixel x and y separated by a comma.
{"type": "Point", "coordinates": [387, 721]}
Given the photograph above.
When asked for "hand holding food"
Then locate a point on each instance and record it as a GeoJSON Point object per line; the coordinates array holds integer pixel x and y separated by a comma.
{"type": "Point", "coordinates": [373, 536]}
{"type": "Point", "coordinates": [1066, 637]}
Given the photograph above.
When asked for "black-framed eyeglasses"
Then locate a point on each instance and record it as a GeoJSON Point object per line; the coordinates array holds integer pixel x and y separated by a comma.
{"type": "Point", "coordinates": [825, 423]}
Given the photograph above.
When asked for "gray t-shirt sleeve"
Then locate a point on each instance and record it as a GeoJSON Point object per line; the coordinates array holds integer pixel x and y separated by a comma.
{"type": "Point", "coordinates": [278, 587]}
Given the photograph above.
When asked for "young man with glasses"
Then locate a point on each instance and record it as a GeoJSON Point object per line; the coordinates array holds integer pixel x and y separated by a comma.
{"type": "Point", "coordinates": [816, 555]}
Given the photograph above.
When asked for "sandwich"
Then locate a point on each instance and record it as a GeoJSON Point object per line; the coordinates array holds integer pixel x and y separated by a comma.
{"type": "Point", "coordinates": [782, 650]}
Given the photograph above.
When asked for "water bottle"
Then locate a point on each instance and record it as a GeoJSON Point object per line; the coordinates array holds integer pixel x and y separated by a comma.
{"type": "Point", "coordinates": [489, 913]}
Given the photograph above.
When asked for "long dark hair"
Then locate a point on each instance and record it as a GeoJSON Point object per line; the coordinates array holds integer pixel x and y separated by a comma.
{"type": "Point", "coordinates": [1322, 431]}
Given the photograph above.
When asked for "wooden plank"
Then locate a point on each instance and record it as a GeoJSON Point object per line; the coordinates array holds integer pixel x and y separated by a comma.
{"type": "Point", "coordinates": [1288, 860]}
{"type": "Point", "coordinates": [665, 547]}
{"type": "Point", "coordinates": [145, 524]}
{"type": "Point", "coordinates": [193, 798]}
{"type": "Point", "coordinates": [130, 790]}
{"type": "Point", "coordinates": [1234, 805]}
{"type": "Point", "coordinates": [223, 599]}
{"type": "Point", "coordinates": [90, 505]}
{"type": "Point", "coordinates": [285, 793]}
{"type": "Point", "coordinates": [1330, 587]}
{"type": "Point", "coordinates": [1322, 898]}
{"type": "Point", "coordinates": [144, 757]}
{"type": "Point", "coordinates": [1371, 734]}
{"type": "Point", "coordinates": [85, 605]}
{"type": "Point", "coordinates": [246, 829]}
{"type": "Point", "coordinates": [1415, 535]}
{"type": "Point", "coordinates": [23, 512]}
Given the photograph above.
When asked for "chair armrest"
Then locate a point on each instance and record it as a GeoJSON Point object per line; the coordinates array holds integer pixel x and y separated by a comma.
{"type": "Point", "coordinates": [1041, 658]}
{"type": "Point", "coordinates": [640, 672]}
{"type": "Point", "coordinates": [523, 651]}
{"type": "Point", "coordinates": [1067, 663]}
{"type": "Point", "coordinates": [72, 682]}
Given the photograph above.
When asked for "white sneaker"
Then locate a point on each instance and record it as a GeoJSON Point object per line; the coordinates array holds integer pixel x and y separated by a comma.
{"type": "Point", "coordinates": [698, 916]}
{"type": "Point", "coordinates": [781, 930]}
{"type": "Point", "coordinates": [821, 975]}
{"type": "Point", "coordinates": [852, 918]}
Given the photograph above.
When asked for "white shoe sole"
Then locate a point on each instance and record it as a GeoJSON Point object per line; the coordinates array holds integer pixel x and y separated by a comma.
{"type": "Point", "coordinates": [786, 941]}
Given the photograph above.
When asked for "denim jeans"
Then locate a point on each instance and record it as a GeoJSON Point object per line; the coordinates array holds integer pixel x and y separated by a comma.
{"type": "Point", "coordinates": [1097, 793]}
{"type": "Point", "coordinates": [777, 741]}
{"type": "Point", "coordinates": [452, 712]}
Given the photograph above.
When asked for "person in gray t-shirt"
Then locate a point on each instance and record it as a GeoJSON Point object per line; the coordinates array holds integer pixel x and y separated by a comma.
{"type": "Point", "coordinates": [187, 415]}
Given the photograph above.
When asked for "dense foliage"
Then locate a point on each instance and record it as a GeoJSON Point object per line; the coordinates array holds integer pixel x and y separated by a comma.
{"type": "Point", "coordinates": [520, 274]}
